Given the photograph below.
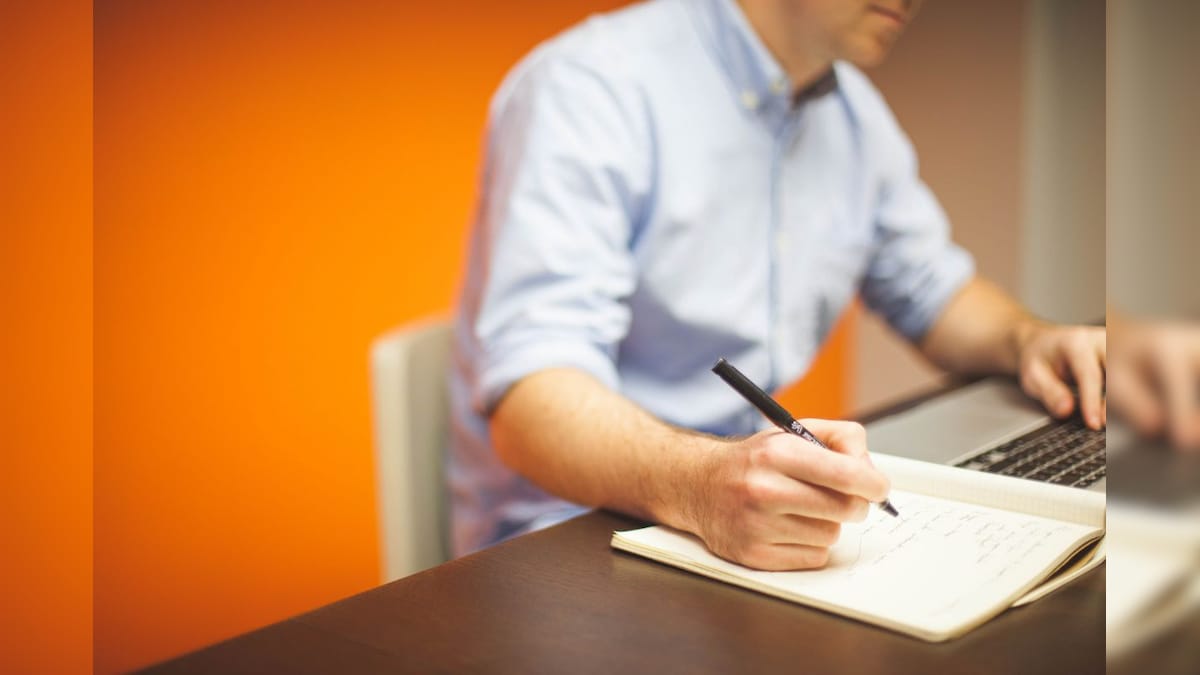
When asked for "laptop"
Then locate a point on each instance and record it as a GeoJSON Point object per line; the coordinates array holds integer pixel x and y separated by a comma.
{"type": "Point", "coordinates": [992, 426]}
{"type": "Point", "coordinates": [1150, 473]}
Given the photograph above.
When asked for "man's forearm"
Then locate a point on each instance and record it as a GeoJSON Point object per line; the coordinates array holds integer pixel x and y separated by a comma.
{"type": "Point", "coordinates": [577, 439]}
{"type": "Point", "coordinates": [981, 331]}
{"type": "Point", "coordinates": [771, 501]}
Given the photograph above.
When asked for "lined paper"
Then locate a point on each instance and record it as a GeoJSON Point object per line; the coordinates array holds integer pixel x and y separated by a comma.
{"type": "Point", "coordinates": [937, 571]}
{"type": "Point", "coordinates": [987, 489]}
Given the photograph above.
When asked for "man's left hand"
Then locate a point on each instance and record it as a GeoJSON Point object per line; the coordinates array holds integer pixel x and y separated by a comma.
{"type": "Point", "coordinates": [1052, 357]}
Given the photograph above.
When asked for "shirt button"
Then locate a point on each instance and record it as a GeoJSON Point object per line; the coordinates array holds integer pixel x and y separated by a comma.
{"type": "Point", "coordinates": [779, 85]}
{"type": "Point", "coordinates": [781, 242]}
{"type": "Point", "coordinates": [749, 100]}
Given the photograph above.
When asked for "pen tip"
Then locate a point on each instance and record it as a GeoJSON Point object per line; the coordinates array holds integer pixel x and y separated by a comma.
{"type": "Point", "coordinates": [889, 509]}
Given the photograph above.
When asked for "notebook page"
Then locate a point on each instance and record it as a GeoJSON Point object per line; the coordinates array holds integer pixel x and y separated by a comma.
{"type": "Point", "coordinates": [987, 489]}
{"type": "Point", "coordinates": [1093, 556]}
{"type": "Point", "coordinates": [941, 568]}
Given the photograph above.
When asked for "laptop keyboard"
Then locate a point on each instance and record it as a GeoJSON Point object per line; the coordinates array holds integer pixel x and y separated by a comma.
{"type": "Point", "coordinates": [1066, 453]}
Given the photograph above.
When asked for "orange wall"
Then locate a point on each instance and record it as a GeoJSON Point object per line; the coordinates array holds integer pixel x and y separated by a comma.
{"type": "Point", "coordinates": [45, 338]}
{"type": "Point", "coordinates": [826, 390]}
{"type": "Point", "coordinates": [276, 183]}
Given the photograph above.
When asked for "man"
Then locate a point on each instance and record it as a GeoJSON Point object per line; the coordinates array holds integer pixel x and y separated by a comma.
{"type": "Point", "coordinates": [684, 180]}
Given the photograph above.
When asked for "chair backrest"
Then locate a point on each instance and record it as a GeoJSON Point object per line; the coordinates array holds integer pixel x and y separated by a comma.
{"type": "Point", "coordinates": [410, 402]}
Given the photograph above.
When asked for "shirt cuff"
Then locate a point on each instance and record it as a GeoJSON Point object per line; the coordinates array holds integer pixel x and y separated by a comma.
{"type": "Point", "coordinates": [504, 367]}
{"type": "Point", "coordinates": [952, 274]}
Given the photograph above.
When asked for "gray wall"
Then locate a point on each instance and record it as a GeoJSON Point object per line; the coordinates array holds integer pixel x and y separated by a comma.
{"type": "Point", "coordinates": [1062, 263]}
{"type": "Point", "coordinates": [1004, 103]}
{"type": "Point", "coordinates": [1154, 157]}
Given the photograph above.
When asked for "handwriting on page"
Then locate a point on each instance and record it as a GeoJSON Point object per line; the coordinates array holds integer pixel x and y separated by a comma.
{"type": "Point", "coordinates": [943, 551]}
{"type": "Point", "coordinates": [883, 538]}
{"type": "Point", "coordinates": [989, 538]}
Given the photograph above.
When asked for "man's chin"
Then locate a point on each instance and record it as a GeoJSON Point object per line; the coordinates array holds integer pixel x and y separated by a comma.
{"type": "Point", "coordinates": [868, 51]}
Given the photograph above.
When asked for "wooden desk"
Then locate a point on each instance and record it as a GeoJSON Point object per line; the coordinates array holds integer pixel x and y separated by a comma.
{"type": "Point", "coordinates": [561, 601]}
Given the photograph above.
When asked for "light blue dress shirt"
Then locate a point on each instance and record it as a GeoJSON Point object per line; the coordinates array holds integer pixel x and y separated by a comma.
{"type": "Point", "coordinates": [652, 199]}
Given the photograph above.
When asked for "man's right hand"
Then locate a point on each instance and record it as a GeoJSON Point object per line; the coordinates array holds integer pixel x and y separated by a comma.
{"type": "Point", "coordinates": [774, 501]}
{"type": "Point", "coordinates": [771, 501]}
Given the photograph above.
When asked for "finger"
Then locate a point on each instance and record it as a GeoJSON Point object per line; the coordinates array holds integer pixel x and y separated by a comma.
{"type": "Point", "coordinates": [1041, 383]}
{"type": "Point", "coordinates": [792, 529]}
{"type": "Point", "coordinates": [1188, 435]}
{"type": "Point", "coordinates": [1193, 442]}
{"type": "Point", "coordinates": [1133, 396]}
{"type": "Point", "coordinates": [781, 557]}
{"type": "Point", "coordinates": [826, 504]}
{"type": "Point", "coordinates": [809, 463]}
{"type": "Point", "coordinates": [1089, 378]}
{"type": "Point", "coordinates": [1179, 391]}
{"type": "Point", "coordinates": [848, 438]}
{"type": "Point", "coordinates": [786, 496]}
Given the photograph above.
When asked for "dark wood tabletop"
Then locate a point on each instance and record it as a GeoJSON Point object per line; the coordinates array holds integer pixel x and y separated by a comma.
{"type": "Point", "coordinates": [562, 601]}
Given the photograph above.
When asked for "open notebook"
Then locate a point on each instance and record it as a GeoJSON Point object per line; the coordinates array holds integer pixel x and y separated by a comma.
{"type": "Point", "coordinates": [967, 546]}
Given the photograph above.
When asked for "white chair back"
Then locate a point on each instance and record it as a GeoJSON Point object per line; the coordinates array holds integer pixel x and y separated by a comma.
{"type": "Point", "coordinates": [410, 402]}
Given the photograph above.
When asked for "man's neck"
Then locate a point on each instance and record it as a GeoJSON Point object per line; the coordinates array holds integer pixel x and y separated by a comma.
{"type": "Point", "coordinates": [797, 56]}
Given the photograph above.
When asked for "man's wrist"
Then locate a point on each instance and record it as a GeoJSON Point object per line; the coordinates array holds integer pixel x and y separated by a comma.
{"type": "Point", "coordinates": [1025, 329]}
{"type": "Point", "coordinates": [689, 487]}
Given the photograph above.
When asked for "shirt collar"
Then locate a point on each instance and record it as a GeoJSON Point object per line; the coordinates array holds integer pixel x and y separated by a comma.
{"type": "Point", "coordinates": [757, 77]}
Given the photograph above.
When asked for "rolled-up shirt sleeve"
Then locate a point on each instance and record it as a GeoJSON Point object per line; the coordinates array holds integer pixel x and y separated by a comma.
{"type": "Point", "coordinates": [915, 268]}
{"type": "Point", "coordinates": [563, 186]}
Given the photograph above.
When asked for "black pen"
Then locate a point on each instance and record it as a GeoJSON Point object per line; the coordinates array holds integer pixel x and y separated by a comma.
{"type": "Point", "coordinates": [775, 412]}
